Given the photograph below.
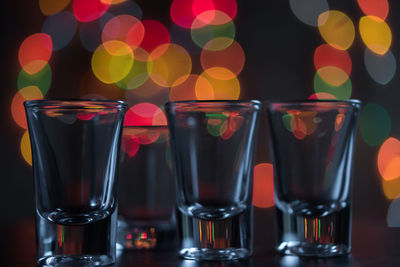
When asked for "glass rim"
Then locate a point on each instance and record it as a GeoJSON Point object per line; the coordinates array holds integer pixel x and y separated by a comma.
{"type": "Point", "coordinates": [64, 103]}
{"type": "Point", "coordinates": [210, 103]}
{"type": "Point", "coordinates": [350, 102]}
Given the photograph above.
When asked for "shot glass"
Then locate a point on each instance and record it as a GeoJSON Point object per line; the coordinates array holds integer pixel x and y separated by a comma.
{"type": "Point", "coordinates": [146, 218]}
{"type": "Point", "coordinates": [212, 144]}
{"type": "Point", "coordinates": [312, 151]}
{"type": "Point", "coordinates": [75, 149]}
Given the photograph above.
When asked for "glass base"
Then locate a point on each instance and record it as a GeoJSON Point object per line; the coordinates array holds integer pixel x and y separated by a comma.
{"type": "Point", "coordinates": [322, 235]}
{"type": "Point", "coordinates": [312, 250]}
{"type": "Point", "coordinates": [156, 235]}
{"type": "Point", "coordinates": [214, 254]}
{"type": "Point", "coordinates": [76, 261]}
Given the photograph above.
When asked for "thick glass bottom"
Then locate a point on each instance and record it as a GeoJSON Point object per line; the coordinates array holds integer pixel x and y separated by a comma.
{"type": "Point", "coordinates": [214, 254]}
{"type": "Point", "coordinates": [76, 260]}
{"type": "Point", "coordinates": [318, 235]}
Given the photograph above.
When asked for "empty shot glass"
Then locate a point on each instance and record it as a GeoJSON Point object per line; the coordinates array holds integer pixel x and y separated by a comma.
{"type": "Point", "coordinates": [146, 218]}
{"type": "Point", "coordinates": [75, 149]}
{"type": "Point", "coordinates": [312, 150]}
{"type": "Point", "coordinates": [213, 143]}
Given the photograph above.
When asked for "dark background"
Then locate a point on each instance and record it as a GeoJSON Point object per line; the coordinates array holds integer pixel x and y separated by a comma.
{"type": "Point", "coordinates": [279, 65]}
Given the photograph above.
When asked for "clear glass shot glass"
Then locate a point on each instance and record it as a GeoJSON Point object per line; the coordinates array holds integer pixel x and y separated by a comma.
{"type": "Point", "coordinates": [146, 218]}
{"type": "Point", "coordinates": [213, 145]}
{"type": "Point", "coordinates": [75, 149]}
{"type": "Point", "coordinates": [312, 150]}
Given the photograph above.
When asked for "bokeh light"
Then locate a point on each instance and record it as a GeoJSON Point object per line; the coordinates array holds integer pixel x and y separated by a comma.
{"type": "Point", "coordinates": [377, 8]}
{"type": "Point", "coordinates": [124, 28]}
{"type": "Point", "coordinates": [126, 8]}
{"type": "Point", "coordinates": [340, 92]}
{"type": "Point", "coordinates": [182, 11]}
{"type": "Point", "coordinates": [51, 7]}
{"type": "Point", "coordinates": [389, 159]}
{"type": "Point", "coordinates": [231, 58]}
{"type": "Point", "coordinates": [381, 68]}
{"type": "Point", "coordinates": [171, 64]}
{"type": "Point", "coordinates": [321, 96]}
{"type": "Point", "coordinates": [263, 188]}
{"type": "Point", "coordinates": [211, 88]}
{"type": "Point", "coordinates": [130, 143]}
{"type": "Point", "coordinates": [90, 33]}
{"type": "Point", "coordinates": [112, 2]}
{"type": "Point", "coordinates": [333, 75]}
{"type": "Point", "coordinates": [145, 114]}
{"type": "Point", "coordinates": [183, 37]}
{"type": "Point", "coordinates": [337, 29]}
{"type": "Point", "coordinates": [203, 33]}
{"type": "Point", "coordinates": [34, 52]}
{"type": "Point", "coordinates": [41, 79]}
{"type": "Point", "coordinates": [391, 188]}
{"type": "Point", "coordinates": [17, 104]}
{"type": "Point", "coordinates": [392, 217]}
{"type": "Point", "coordinates": [113, 63]}
{"type": "Point", "coordinates": [376, 34]}
{"type": "Point", "coordinates": [148, 92]}
{"type": "Point", "coordinates": [326, 55]}
{"type": "Point", "coordinates": [25, 147]}
{"type": "Point", "coordinates": [185, 90]}
{"type": "Point", "coordinates": [155, 35]}
{"type": "Point", "coordinates": [138, 74]}
{"type": "Point", "coordinates": [88, 10]}
{"type": "Point", "coordinates": [61, 27]}
{"type": "Point", "coordinates": [308, 11]}
{"type": "Point", "coordinates": [375, 124]}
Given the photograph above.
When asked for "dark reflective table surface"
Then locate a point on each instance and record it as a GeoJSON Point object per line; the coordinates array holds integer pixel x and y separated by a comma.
{"type": "Point", "coordinates": [373, 244]}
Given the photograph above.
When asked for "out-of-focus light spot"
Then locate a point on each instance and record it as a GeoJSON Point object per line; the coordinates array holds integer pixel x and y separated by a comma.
{"type": "Point", "coordinates": [300, 123]}
{"type": "Point", "coordinates": [25, 146]}
{"type": "Point", "coordinates": [42, 79]}
{"type": "Point", "coordinates": [88, 10]}
{"type": "Point", "coordinates": [130, 144]}
{"type": "Point", "coordinates": [321, 96]}
{"type": "Point", "coordinates": [326, 55]}
{"type": "Point", "coordinates": [333, 75]}
{"type": "Point", "coordinates": [113, 63]}
{"type": "Point", "coordinates": [204, 33]}
{"type": "Point", "coordinates": [215, 123]}
{"type": "Point", "coordinates": [142, 135]}
{"type": "Point", "coordinates": [340, 92]}
{"type": "Point", "coordinates": [392, 217]}
{"type": "Point", "coordinates": [391, 188]}
{"type": "Point", "coordinates": [185, 90]}
{"type": "Point", "coordinates": [308, 11]}
{"type": "Point", "coordinates": [340, 118]}
{"type": "Point", "coordinates": [263, 189]}
{"type": "Point", "coordinates": [90, 33]}
{"type": "Point", "coordinates": [61, 27]}
{"type": "Point", "coordinates": [124, 28]}
{"type": "Point", "coordinates": [381, 68]}
{"type": "Point", "coordinates": [138, 74]}
{"type": "Point", "coordinates": [126, 8]}
{"type": "Point", "coordinates": [337, 29]}
{"type": "Point", "coordinates": [229, 7]}
{"type": "Point", "coordinates": [182, 11]}
{"type": "Point", "coordinates": [51, 7]}
{"type": "Point", "coordinates": [155, 35]}
{"type": "Point", "coordinates": [231, 58]}
{"type": "Point", "coordinates": [144, 114]}
{"type": "Point", "coordinates": [17, 104]}
{"type": "Point", "coordinates": [375, 124]}
{"type": "Point", "coordinates": [215, 88]}
{"type": "Point", "coordinates": [377, 8]}
{"type": "Point", "coordinates": [34, 52]}
{"type": "Point", "coordinates": [217, 44]}
{"type": "Point", "coordinates": [183, 37]}
{"type": "Point", "coordinates": [112, 2]}
{"type": "Point", "coordinates": [376, 34]}
{"type": "Point", "coordinates": [389, 159]}
{"type": "Point", "coordinates": [171, 64]}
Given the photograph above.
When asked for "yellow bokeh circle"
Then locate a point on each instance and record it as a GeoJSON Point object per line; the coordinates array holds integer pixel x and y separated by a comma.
{"type": "Point", "coordinates": [376, 34]}
{"type": "Point", "coordinates": [112, 61]}
{"type": "Point", "coordinates": [337, 29]}
{"type": "Point", "coordinates": [25, 146]}
{"type": "Point", "coordinates": [211, 88]}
